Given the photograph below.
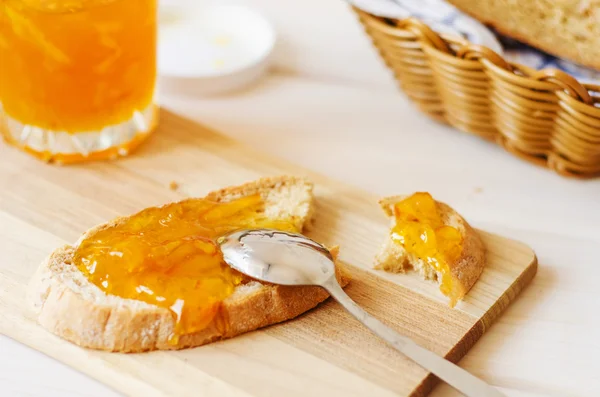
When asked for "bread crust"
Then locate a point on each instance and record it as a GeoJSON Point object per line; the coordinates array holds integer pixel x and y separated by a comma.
{"type": "Point", "coordinates": [71, 307]}
{"type": "Point", "coordinates": [560, 47]}
{"type": "Point", "coordinates": [465, 270]}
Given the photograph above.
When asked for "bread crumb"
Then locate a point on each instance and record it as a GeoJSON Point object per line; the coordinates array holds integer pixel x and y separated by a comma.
{"type": "Point", "coordinates": [173, 185]}
{"type": "Point", "coordinates": [478, 190]}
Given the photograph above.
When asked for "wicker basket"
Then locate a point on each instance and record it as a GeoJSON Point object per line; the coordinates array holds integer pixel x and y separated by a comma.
{"type": "Point", "coordinates": [546, 116]}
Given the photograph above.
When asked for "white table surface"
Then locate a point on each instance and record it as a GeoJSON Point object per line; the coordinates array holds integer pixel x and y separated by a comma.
{"type": "Point", "coordinates": [330, 105]}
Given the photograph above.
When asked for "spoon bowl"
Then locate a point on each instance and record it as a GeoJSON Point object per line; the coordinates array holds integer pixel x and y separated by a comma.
{"type": "Point", "coordinates": [277, 257]}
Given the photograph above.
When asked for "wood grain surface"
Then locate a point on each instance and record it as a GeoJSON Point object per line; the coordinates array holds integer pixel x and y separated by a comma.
{"type": "Point", "coordinates": [323, 352]}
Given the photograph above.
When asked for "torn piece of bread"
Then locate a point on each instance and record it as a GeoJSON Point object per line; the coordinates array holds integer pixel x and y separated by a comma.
{"type": "Point", "coordinates": [70, 306]}
{"type": "Point", "coordinates": [463, 270]}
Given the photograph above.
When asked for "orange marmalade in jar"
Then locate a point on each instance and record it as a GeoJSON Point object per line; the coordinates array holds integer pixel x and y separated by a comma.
{"type": "Point", "coordinates": [77, 77]}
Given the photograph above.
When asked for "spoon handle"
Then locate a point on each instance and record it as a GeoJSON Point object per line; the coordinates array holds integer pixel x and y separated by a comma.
{"type": "Point", "coordinates": [450, 373]}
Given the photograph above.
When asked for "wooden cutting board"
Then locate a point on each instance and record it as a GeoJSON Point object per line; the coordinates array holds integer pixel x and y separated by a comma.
{"type": "Point", "coordinates": [324, 352]}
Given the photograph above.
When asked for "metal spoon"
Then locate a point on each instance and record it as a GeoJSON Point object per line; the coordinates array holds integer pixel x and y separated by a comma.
{"type": "Point", "coordinates": [292, 259]}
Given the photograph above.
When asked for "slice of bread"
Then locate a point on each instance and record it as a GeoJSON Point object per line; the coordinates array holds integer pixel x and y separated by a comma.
{"type": "Point", "coordinates": [464, 271]}
{"type": "Point", "coordinates": [68, 305]}
{"type": "Point", "coordinates": [567, 29]}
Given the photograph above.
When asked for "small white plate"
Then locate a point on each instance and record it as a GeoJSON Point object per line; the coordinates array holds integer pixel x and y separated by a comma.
{"type": "Point", "coordinates": [212, 49]}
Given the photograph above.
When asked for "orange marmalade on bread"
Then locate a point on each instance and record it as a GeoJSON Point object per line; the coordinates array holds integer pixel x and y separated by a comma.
{"type": "Point", "coordinates": [420, 230]}
{"type": "Point", "coordinates": [167, 256]}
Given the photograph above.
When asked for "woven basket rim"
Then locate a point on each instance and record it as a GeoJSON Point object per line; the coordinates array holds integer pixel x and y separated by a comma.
{"type": "Point", "coordinates": [539, 76]}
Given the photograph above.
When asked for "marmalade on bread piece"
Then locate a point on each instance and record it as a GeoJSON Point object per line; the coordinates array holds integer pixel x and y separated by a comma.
{"type": "Point", "coordinates": [167, 256]}
{"type": "Point", "coordinates": [419, 230]}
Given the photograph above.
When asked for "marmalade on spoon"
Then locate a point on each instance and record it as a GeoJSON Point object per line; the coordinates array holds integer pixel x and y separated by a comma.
{"type": "Point", "coordinates": [167, 256]}
{"type": "Point", "coordinates": [421, 232]}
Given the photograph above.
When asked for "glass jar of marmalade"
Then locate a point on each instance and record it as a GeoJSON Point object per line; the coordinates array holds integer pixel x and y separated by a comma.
{"type": "Point", "coordinates": [77, 77]}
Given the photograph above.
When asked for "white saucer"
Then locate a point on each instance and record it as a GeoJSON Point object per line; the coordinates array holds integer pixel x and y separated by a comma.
{"type": "Point", "coordinates": [212, 49]}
